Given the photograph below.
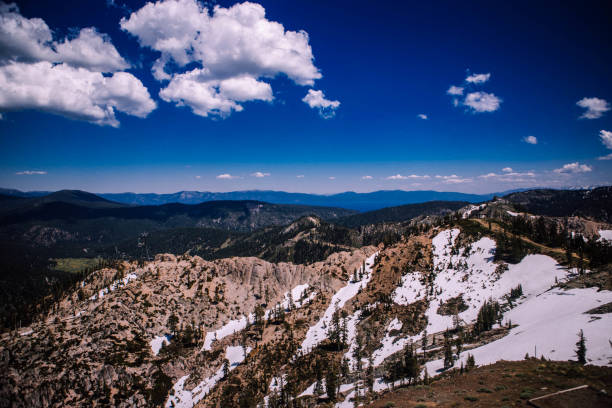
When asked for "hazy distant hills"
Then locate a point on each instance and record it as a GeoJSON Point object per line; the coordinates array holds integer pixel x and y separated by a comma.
{"type": "Point", "coordinates": [355, 201]}
{"type": "Point", "coordinates": [350, 200]}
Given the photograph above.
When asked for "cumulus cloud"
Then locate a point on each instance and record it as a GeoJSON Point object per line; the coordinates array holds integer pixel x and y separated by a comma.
{"type": "Point", "coordinates": [422, 116]}
{"type": "Point", "coordinates": [72, 92]}
{"type": "Point", "coordinates": [606, 138]}
{"type": "Point", "coordinates": [316, 100]}
{"type": "Point", "coordinates": [367, 178]}
{"type": "Point", "coordinates": [300, 176]}
{"type": "Point", "coordinates": [91, 50]}
{"type": "Point", "coordinates": [31, 173]}
{"type": "Point", "coordinates": [31, 40]}
{"type": "Point", "coordinates": [65, 77]}
{"type": "Point", "coordinates": [198, 177]}
{"type": "Point", "coordinates": [332, 178]}
{"type": "Point", "coordinates": [213, 97]}
{"type": "Point", "coordinates": [397, 177]}
{"type": "Point", "coordinates": [233, 49]}
{"type": "Point", "coordinates": [478, 78]}
{"type": "Point", "coordinates": [259, 174]}
{"type": "Point", "coordinates": [482, 102]}
{"type": "Point", "coordinates": [531, 140]}
{"type": "Point", "coordinates": [595, 107]}
{"type": "Point", "coordinates": [226, 176]}
{"type": "Point", "coordinates": [572, 168]}
{"type": "Point", "coordinates": [507, 169]}
{"type": "Point", "coordinates": [455, 90]}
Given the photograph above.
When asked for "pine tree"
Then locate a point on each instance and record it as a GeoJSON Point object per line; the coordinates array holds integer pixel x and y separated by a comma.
{"type": "Point", "coordinates": [448, 354]}
{"type": "Point", "coordinates": [581, 348]}
{"type": "Point", "coordinates": [331, 383]}
{"type": "Point", "coordinates": [471, 363]}
{"type": "Point", "coordinates": [226, 367]}
{"type": "Point", "coordinates": [172, 323]}
{"type": "Point", "coordinates": [411, 365]}
{"type": "Point", "coordinates": [370, 375]}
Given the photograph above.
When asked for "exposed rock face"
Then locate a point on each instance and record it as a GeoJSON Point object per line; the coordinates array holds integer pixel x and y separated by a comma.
{"type": "Point", "coordinates": [94, 348]}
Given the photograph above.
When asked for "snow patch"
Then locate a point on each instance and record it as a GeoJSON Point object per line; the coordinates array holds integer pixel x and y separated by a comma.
{"type": "Point", "coordinates": [317, 333]}
{"type": "Point", "coordinates": [183, 398]}
{"type": "Point", "coordinates": [300, 296]}
{"type": "Point", "coordinates": [158, 342]}
{"type": "Point", "coordinates": [605, 235]}
{"type": "Point", "coordinates": [119, 283]}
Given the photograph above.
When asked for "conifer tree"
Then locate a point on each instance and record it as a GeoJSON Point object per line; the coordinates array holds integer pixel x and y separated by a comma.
{"type": "Point", "coordinates": [581, 348]}
{"type": "Point", "coordinates": [370, 375]}
{"type": "Point", "coordinates": [471, 363]}
{"type": "Point", "coordinates": [331, 383]}
{"type": "Point", "coordinates": [448, 354]}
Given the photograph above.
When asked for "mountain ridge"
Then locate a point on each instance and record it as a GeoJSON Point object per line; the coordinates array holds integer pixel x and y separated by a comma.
{"type": "Point", "coordinates": [349, 199]}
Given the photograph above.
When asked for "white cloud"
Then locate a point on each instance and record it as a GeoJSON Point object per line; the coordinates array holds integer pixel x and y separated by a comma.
{"type": "Point", "coordinates": [259, 174]}
{"type": "Point", "coordinates": [332, 178]}
{"type": "Point", "coordinates": [458, 180]}
{"type": "Point", "coordinates": [198, 177]}
{"type": "Point", "coordinates": [367, 178]}
{"type": "Point", "coordinates": [595, 107]}
{"type": "Point", "coordinates": [478, 78]}
{"type": "Point", "coordinates": [573, 168]}
{"type": "Point", "coordinates": [65, 77]}
{"type": "Point", "coordinates": [531, 140]}
{"type": "Point", "coordinates": [234, 47]}
{"type": "Point", "coordinates": [75, 93]}
{"type": "Point", "coordinates": [422, 116]}
{"type": "Point", "coordinates": [214, 97]}
{"type": "Point", "coordinates": [454, 179]}
{"type": "Point", "coordinates": [606, 157]}
{"type": "Point", "coordinates": [482, 102]}
{"type": "Point", "coordinates": [606, 138]}
{"type": "Point", "coordinates": [411, 176]}
{"type": "Point", "coordinates": [508, 175]}
{"type": "Point", "coordinates": [31, 173]}
{"type": "Point", "coordinates": [31, 40]}
{"type": "Point", "coordinates": [300, 176]}
{"type": "Point", "coordinates": [316, 100]}
{"type": "Point", "coordinates": [226, 176]}
{"type": "Point", "coordinates": [455, 90]}
{"type": "Point", "coordinates": [91, 50]}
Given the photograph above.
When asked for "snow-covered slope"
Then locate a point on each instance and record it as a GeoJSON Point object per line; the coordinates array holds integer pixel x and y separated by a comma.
{"type": "Point", "coordinates": [548, 325]}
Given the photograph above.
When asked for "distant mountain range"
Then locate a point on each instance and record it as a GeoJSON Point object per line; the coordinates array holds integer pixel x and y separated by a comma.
{"type": "Point", "coordinates": [350, 200]}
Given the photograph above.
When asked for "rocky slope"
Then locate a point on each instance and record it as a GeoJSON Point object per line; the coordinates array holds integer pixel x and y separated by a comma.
{"type": "Point", "coordinates": [185, 332]}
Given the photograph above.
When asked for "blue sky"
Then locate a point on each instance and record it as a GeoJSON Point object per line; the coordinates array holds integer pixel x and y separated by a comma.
{"type": "Point", "coordinates": [523, 69]}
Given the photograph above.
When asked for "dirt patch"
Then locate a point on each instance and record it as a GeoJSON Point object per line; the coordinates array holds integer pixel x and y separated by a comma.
{"type": "Point", "coordinates": [503, 384]}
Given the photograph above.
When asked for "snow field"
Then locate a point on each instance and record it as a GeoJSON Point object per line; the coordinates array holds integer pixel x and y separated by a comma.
{"type": "Point", "coordinates": [549, 324]}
